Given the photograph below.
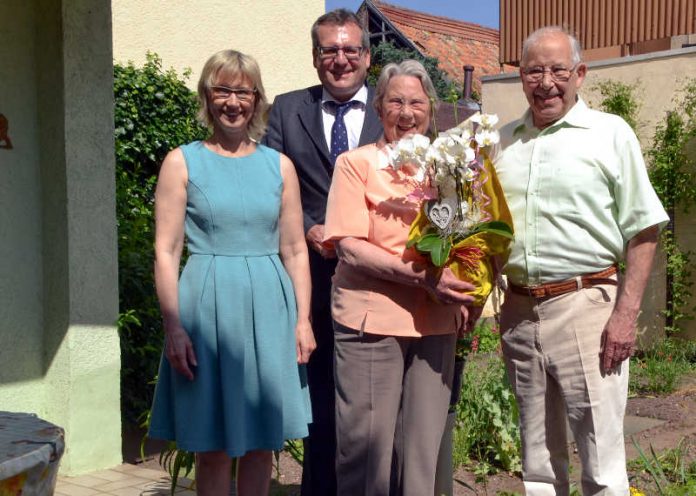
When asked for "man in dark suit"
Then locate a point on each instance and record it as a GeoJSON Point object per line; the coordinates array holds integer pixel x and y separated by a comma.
{"type": "Point", "coordinates": [312, 126]}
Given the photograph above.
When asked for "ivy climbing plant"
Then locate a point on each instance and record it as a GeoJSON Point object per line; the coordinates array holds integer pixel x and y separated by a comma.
{"type": "Point", "coordinates": [672, 169]}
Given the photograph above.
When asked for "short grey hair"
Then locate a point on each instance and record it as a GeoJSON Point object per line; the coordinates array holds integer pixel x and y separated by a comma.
{"type": "Point", "coordinates": [533, 38]}
{"type": "Point", "coordinates": [408, 67]}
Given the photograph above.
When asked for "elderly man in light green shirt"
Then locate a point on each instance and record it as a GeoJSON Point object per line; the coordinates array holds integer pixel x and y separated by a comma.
{"type": "Point", "coordinates": [581, 202]}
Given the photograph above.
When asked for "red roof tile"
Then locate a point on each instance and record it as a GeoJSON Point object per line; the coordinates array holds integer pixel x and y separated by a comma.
{"type": "Point", "coordinates": [454, 43]}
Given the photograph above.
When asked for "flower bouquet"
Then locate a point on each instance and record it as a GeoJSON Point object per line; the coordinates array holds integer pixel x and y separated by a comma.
{"type": "Point", "coordinates": [464, 222]}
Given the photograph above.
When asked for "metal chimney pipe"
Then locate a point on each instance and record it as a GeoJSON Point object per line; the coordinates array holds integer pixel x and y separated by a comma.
{"type": "Point", "coordinates": [468, 76]}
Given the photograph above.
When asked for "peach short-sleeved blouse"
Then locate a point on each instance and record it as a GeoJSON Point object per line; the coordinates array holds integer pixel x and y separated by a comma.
{"type": "Point", "coordinates": [370, 200]}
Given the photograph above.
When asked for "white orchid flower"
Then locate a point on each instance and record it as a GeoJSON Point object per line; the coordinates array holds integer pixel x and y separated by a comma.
{"type": "Point", "coordinates": [420, 144]}
{"type": "Point", "coordinates": [487, 121]}
{"type": "Point", "coordinates": [469, 155]}
{"type": "Point", "coordinates": [486, 137]}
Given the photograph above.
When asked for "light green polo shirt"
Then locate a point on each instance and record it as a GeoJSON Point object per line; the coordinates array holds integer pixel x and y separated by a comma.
{"type": "Point", "coordinates": [578, 191]}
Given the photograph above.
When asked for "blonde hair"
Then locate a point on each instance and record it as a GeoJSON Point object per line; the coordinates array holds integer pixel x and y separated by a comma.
{"type": "Point", "coordinates": [234, 63]}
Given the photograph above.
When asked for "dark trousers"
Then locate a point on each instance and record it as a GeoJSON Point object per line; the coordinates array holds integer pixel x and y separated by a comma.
{"type": "Point", "coordinates": [319, 467]}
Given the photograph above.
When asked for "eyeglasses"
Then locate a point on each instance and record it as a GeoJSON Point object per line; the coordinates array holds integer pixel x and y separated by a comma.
{"type": "Point", "coordinates": [557, 73]}
{"type": "Point", "coordinates": [223, 93]}
{"type": "Point", "coordinates": [399, 103]}
{"type": "Point", "coordinates": [349, 52]}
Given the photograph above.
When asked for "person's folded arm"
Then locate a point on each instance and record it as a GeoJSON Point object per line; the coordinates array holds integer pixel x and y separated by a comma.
{"type": "Point", "coordinates": [373, 261]}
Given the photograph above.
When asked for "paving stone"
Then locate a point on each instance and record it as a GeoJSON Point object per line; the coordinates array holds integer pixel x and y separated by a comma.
{"type": "Point", "coordinates": [74, 490]}
{"type": "Point", "coordinates": [110, 475]}
{"type": "Point", "coordinates": [129, 482]}
{"type": "Point", "coordinates": [89, 480]}
{"type": "Point", "coordinates": [634, 424]}
{"type": "Point", "coordinates": [135, 491]}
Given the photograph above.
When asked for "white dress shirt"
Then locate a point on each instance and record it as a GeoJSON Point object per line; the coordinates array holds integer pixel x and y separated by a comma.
{"type": "Point", "coordinates": [354, 117]}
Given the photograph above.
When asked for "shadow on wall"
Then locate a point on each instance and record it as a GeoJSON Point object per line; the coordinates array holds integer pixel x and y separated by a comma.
{"type": "Point", "coordinates": [5, 141]}
{"type": "Point", "coordinates": [57, 214]}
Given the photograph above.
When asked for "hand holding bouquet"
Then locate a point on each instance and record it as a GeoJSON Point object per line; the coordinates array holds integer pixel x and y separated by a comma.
{"type": "Point", "coordinates": [464, 222]}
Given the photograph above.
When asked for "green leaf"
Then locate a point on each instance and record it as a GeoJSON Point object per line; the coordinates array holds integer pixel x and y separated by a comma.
{"type": "Point", "coordinates": [495, 227]}
{"type": "Point", "coordinates": [438, 248]}
{"type": "Point", "coordinates": [428, 242]}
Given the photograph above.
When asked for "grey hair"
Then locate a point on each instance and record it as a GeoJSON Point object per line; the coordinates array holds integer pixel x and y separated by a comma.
{"type": "Point", "coordinates": [408, 67]}
{"type": "Point", "coordinates": [339, 17]}
{"type": "Point", "coordinates": [533, 38]}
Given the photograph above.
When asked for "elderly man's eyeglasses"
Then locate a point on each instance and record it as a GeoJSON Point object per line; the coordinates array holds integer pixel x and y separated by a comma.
{"type": "Point", "coordinates": [557, 73]}
{"type": "Point", "coordinates": [223, 93]}
{"type": "Point", "coordinates": [349, 52]}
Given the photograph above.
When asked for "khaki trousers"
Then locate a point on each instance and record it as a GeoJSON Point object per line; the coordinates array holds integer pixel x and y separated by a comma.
{"type": "Point", "coordinates": [551, 349]}
{"type": "Point", "coordinates": [380, 379]}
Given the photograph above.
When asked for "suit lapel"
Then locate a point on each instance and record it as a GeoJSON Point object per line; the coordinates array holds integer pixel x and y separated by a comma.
{"type": "Point", "coordinates": [311, 118]}
{"type": "Point", "coordinates": [372, 127]}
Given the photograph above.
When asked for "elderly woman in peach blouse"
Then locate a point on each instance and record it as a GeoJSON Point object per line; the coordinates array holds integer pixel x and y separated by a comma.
{"type": "Point", "coordinates": [395, 317]}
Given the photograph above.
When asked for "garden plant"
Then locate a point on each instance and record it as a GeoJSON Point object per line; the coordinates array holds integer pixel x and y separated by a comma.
{"type": "Point", "coordinates": [155, 112]}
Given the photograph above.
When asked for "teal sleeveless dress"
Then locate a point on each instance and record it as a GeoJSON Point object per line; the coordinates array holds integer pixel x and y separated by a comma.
{"type": "Point", "coordinates": [237, 303]}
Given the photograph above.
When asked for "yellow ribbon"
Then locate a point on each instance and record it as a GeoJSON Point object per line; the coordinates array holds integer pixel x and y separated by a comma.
{"type": "Point", "coordinates": [472, 258]}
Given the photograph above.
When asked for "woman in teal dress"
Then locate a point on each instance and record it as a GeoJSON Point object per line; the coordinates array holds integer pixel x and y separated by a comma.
{"type": "Point", "coordinates": [236, 321]}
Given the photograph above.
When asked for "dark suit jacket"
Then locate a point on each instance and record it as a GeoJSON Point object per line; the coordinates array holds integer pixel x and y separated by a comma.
{"type": "Point", "coordinates": [295, 128]}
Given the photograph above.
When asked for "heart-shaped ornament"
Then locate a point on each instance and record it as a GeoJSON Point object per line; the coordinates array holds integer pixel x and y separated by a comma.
{"type": "Point", "coordinates": [441, 213]}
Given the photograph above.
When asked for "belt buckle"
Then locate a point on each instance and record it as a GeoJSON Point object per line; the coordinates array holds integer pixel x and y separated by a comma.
{"type": "Point", "coordinates": [537, 292]}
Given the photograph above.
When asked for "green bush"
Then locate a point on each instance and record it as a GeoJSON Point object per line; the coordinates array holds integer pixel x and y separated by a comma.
{"type": "Point", "coordinates": [671, 172]}
{"type": "Point", "coordinates": [486, 433]}
{"type": "Point", "coordinates": [619, 98]}
{"type": "Point", "coordinates": [672, 175]}
{"type": "Point", "coordinates": [658, 369]}
{"type": "Point", "coordinates": [154, 113]}
{"type": "Point", "coordinates": [385, 53]}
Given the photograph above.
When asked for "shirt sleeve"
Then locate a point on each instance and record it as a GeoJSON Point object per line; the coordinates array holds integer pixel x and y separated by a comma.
{"type": "Point", "coordinates": [347, 212]}
{"type": "Point", "coordinates": [638, 205]}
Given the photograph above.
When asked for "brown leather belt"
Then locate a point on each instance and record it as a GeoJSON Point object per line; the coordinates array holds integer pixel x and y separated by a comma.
{"type": "Point", "coordinates": [551, 289]}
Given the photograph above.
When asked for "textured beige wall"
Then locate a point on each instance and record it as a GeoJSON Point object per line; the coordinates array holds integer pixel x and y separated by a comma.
{"type": "Point", "coordinates": [59, 349]}
{"type": "Point", "coordinates": [186, 32]}
{"type": "Point", "coordinates": [80, 273]}
{"type": "Point", "coordinates": [21, 313]}
{"type": "Point", "coordinates": [659, 76]}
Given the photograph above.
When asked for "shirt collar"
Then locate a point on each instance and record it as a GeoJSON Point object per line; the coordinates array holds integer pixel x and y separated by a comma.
{"type": "Point", "coordinates": [383, 160]}
{"type": "Point", "coordinates": [360, 96]}
{"type": "Point", "coordinates": [577, 116]}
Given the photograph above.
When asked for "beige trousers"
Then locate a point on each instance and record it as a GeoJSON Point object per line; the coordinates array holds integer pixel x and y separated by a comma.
{"type": "Point", "coordinates": [551, 349]}
{"type": "Point", "coordinates": [380, 379]}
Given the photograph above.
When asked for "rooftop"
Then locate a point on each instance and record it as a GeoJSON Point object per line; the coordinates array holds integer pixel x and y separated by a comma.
{"type": "Point", "coordinates": [454, 43]}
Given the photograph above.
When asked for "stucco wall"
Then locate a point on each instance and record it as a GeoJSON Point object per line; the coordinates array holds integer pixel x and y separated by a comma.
{"type": "Point", "coordinates": [185, 33]}
{"type": "Point", "coordinates": [659, 76]}
{"type": "Point", "coordinates": [21, 313]}
{"type": "Point", "coordinates": [59, 350]}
